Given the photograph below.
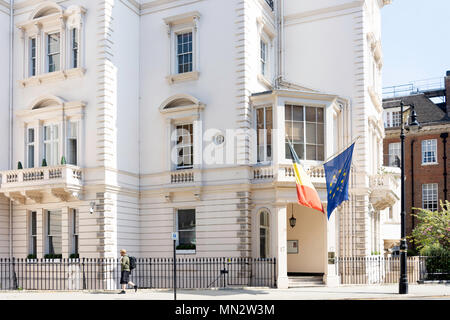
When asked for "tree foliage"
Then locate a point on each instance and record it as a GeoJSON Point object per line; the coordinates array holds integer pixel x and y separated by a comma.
{"type": "Point", "coordinates": [433, 229]}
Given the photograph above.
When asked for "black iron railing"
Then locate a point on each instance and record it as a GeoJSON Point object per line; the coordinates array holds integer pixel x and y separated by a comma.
{"type": "Point", "coordinates": [385, 270]}
{"type": "Point", "coordinates": [152, 273]}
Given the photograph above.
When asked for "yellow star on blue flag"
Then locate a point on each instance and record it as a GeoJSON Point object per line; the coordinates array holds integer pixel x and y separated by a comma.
{"type": "Point", "coordinates": [337, 173]}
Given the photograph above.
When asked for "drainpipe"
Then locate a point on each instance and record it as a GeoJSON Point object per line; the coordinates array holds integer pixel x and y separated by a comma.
{"type": "Point", "coordinates": [280, 16]}
{"type": "Point", "coordinates": [444, 137]}
{"type": "Point", "coordinates": [413, 222]}
{"type": "Point", "coordinates": [10, 149]}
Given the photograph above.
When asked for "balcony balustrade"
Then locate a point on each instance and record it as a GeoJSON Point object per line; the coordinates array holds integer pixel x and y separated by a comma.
{"type": "Point", "coordinates": [285, 174]}
{"type": "Point", "coordinates": [385, 188]}
{"type": "Point", "coordinates": [64, 182]}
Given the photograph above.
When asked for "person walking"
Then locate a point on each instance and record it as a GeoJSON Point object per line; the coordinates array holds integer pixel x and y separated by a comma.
{"type": "Point", "coordinates": [125, 272]}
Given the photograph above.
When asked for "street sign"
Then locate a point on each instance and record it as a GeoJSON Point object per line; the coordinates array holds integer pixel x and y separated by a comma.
{"type": "Point", "coordinates": [174, 236]}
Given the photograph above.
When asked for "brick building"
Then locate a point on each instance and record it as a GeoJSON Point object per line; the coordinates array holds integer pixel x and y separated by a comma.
{"type": "Point", "coordinates": [426, 151]}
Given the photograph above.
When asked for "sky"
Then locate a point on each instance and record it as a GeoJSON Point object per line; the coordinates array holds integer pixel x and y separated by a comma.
{"type": "Point", "coordinates": [415, 40]}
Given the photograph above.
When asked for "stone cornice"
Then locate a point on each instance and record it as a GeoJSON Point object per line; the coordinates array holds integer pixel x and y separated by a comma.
{"type": "Point", "coordinates": [306, 14]}
{"type": "Point", "coordinates": [435, 128]}
{"type": "Point", "coordinates": [4, 4]}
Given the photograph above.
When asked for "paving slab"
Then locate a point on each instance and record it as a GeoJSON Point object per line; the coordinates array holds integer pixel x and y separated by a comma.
{"type": "Point", "coordinates": [377, 292]}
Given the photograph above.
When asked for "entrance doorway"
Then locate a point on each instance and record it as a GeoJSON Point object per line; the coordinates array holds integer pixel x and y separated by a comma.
{"type": "Point", "coordinates": [306, 241]}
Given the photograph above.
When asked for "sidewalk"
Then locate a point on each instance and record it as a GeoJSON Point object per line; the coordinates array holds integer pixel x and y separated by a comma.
{"type": "Point", "coordinates": [389, 292]}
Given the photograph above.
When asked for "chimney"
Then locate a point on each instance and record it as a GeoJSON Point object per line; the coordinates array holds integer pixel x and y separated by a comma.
{"type": "Point", "coordinates": [447, 92]}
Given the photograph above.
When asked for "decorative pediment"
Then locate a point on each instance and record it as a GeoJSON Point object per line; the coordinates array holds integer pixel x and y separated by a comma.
{"type": "Point", "coordinates": [50, 13]}
{"type": "Point", "coordinates": [181, 103]}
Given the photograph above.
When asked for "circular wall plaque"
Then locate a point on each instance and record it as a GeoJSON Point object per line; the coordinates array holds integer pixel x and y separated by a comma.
{"type": "Point", "coordinates": [218, 139]}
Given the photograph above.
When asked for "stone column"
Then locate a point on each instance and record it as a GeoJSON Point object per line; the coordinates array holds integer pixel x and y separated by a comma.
{"type": "Point", "coordinates": [63, 44]}
{"type": "Point", "coordinates": [280, 241]}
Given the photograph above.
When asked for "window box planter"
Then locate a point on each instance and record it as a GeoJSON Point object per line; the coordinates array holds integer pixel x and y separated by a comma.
{"type": "Point", "coordinates": [185, 251]}
{"type": "Point", "coordinates": [52, 260]}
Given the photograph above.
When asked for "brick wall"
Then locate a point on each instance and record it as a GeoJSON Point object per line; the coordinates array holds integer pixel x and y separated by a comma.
{"type": "Point", "coordinates": [423, 174]}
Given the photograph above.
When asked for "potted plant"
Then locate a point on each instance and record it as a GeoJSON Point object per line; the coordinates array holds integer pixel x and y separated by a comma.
{"type": "Point", "coordinates": [186, 248]}
{"type": "Point", "coordinates": [63, 160]}
{"type": "Point", "coordinates": [44, 162]}
{"type": "Point", "coordinates": [53, 257]}
{"type": "Point", "coordinates": [19, 166]}
{"type": "Point", "coordinates": [31, 258]}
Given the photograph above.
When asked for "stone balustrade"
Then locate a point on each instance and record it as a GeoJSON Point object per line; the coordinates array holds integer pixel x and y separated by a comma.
{"type": "Point", "coordinates": [64, 181]}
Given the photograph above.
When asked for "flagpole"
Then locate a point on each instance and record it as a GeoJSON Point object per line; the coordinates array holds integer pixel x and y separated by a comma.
{"type": "Point", "coordinates": [339, 152]}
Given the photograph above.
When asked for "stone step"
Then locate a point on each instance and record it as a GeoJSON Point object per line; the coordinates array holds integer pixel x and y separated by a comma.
{"type": "Point", "coordinates": [305, 281]}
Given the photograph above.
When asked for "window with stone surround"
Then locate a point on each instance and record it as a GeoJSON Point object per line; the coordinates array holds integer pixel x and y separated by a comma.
{"type": "Point", "coordinates": [265, 44]}
{"type": "Point", "coordinates": [182, 31]}
{"type": "Point", "coordinates": [46, 137]}
{"type": "Point", "coordinates": [52, 42]}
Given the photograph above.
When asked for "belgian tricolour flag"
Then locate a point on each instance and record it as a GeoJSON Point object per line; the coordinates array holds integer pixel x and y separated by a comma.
{"type": "Point", "coordinates": [306, 193]}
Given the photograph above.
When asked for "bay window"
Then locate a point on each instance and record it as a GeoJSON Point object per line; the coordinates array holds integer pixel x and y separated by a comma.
{"type": "Point", "coordinates": [30, 147]}
{"type": "Point", "coordinates": [305, 129]}
{"type": "Point", "coordinates": [72, 143]}
{"type": "Point", "coordinates": [264, 134]}
{"type": "Point", "coordinates": [51, 144]}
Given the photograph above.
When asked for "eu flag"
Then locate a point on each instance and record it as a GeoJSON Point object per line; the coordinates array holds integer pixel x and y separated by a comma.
{"type": "Point", "coordinates": [337, 173]}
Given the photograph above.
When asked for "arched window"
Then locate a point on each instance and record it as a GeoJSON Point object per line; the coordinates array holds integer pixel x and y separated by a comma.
{"type": "Point", "coordinates": [52, 43]}
{"type": "Point", "coordinates": [183, 114]}
{"type": "Point", "coordinates": [264, 234]}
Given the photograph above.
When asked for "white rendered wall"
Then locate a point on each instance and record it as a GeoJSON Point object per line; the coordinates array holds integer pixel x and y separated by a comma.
{"type": "Point", "coordinates": [4, 122]}
{"type": "Point", "coordinates": [214, 88]}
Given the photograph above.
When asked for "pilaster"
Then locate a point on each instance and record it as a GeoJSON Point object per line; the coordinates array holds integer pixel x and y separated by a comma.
{"type": "Point", "coordinates": [280, 241]}
{"type": "Point", "coordinates": [65, 227]}
{"type": "Point", "coordinates": [41, 232]}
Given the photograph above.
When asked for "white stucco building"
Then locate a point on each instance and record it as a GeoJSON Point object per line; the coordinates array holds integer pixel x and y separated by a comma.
{"type": "Point", "coordinates": [154, 106]}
